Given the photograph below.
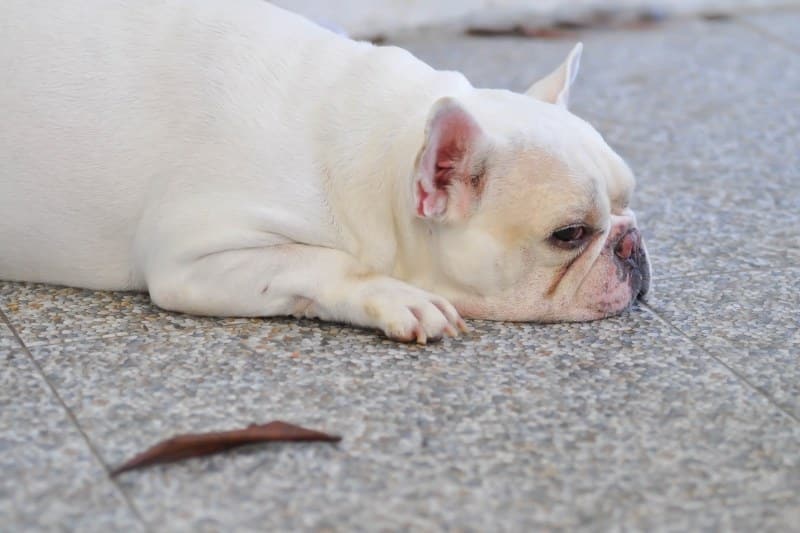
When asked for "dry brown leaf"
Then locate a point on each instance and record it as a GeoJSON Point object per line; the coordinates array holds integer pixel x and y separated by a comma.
{"type": "Point", "coordinates": [202, 444]}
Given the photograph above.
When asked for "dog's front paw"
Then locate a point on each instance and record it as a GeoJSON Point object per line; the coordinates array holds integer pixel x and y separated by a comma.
{"type": "Point", "coordinates": [407, 314]}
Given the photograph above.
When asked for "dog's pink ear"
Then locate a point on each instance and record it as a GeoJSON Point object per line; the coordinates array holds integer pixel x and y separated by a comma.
{"type": "Point", "coordinates": [449, 175]}
{"type": "Point", "coordinates": [555, 87]}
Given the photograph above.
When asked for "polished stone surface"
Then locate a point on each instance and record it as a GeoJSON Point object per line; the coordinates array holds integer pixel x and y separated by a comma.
{"type": "Point", "coordinates": [515, 426]}
{"type": "Point", "coordinates": [778, 25]}
{"type": "Point", "coordinates": [748, 320]}
{"type": "Point", "coordinates": [51, 480]}
{"type": "Point", "coordinates": [681, 415]}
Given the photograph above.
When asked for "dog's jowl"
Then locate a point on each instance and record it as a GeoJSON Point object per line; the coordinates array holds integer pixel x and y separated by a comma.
{"type": "Point", "coordinates": [232, 158]}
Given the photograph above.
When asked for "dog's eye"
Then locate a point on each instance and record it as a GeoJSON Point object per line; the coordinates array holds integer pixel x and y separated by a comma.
{"type": "Point", "coordinates": [570, 237]}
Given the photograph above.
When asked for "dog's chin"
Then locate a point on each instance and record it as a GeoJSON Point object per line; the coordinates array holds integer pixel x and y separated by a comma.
{"type": "Point", "coordinates": [605, 293]}
{"type": "Point", "coordinates": [572, 310]}
{"type": "Point", "coordinates": [598, 310]}
{"type": "Point", "coordinates": [616, 297]}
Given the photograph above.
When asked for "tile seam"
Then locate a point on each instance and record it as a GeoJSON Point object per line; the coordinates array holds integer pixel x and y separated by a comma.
{"type": "Point", "coordinates": [757, 29]}
{"type": "Point", "coordinates": [741, 377]}
{"type": "Point", "coordinates": [73, 419]}
{"type": "Point", "coordinates": [727, 272]}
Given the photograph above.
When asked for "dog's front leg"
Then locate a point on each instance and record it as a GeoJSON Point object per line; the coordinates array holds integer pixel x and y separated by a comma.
{"type": "Point", "coordinates": [300, 280]}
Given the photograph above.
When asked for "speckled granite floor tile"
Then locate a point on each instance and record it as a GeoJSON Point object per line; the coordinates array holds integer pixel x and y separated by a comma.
{"type": "Point", "coordinates": [517, 426]}
{"type": "Point", "coordinates": [45, 314]}
{"type": "Point", "coordinates": [700, 228]}
{"type": "Point", "coordinates": [721, 150]}
{"type": "Point", "coordinates": [683, 73]}
{"type": "Point", "coordinates": [783, 26]}
{"type": "Point", "coordinates": [49, 480]}
{"type": "Point", "coordinates": [750, 320]}
{"type": "Point", "coordinates": [670, 74]}
{"type": "Point", "coordinates": [723, 196]}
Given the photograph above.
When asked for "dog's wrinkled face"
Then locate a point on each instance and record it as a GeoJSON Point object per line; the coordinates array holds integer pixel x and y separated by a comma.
{"type": "Point", "coordinates": [528, 207]}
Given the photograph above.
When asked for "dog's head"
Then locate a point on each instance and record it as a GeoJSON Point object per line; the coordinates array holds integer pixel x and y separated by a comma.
{"type": "Point", "coordinates": [528, 207]}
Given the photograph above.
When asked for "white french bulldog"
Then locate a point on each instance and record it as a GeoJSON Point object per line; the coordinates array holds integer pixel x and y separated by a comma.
{"type": "Point", "coordinates": [232, 158]}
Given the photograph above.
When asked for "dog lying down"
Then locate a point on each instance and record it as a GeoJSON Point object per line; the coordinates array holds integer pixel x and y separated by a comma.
{"type": "Point", "coordinates": [232, 158]}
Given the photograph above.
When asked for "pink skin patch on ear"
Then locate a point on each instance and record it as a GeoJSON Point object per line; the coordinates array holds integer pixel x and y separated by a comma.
{"type": "Point", "coordinates": [421, 197]}
{"type": "Point", "coordinates": [445, 162]}
{"type": "Point", "coordinates": [431, 203]}
{"type": "Point", "coordinates": [443, 174]}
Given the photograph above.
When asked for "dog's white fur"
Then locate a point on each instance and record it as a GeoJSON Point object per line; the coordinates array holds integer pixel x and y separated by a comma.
{"type": "Point", "coordinates": [233, 158]}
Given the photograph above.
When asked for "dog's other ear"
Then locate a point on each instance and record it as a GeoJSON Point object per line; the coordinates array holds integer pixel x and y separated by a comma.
{"type": "Point", "coordinates": [554, 87]}
{"type": "Point", "coordinates": [450, 172]}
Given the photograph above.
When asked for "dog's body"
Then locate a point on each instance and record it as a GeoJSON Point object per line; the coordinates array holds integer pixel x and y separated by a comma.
{"type": "Point", "coordinates": [234, 159]}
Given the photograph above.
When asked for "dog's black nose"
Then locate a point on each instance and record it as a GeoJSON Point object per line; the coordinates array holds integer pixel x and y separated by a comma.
{"type": "Point", "coordinates": [644, 272]}
{"type": "Point", "coordinates": [630, 251]}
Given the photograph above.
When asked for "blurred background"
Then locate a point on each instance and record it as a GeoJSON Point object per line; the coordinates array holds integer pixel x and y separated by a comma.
{"type": "Point", "coordinates": [374, 18]}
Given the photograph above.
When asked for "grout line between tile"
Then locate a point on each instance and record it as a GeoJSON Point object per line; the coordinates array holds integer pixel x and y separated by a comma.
{"type": "Point", "coordinates": [117, 334]}
{"type": "Point", "coordinates": [755, 28]}
{"type": "Point", "coordinates": [75, 423]}
{"type": "Point", "coordinates": [726, 272]}
{"type": "Point", "coordinates": [731, 369]}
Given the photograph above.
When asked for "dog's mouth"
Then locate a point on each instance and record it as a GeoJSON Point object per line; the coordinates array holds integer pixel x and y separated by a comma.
{"type": "Point", "coordinates": [631, 269]}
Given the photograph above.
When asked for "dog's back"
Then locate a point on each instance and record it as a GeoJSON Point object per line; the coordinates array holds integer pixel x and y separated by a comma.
{"type": "Point", "coordinates": [53, 86]}
{"type": "Point", "coordinates": [102, 100]}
